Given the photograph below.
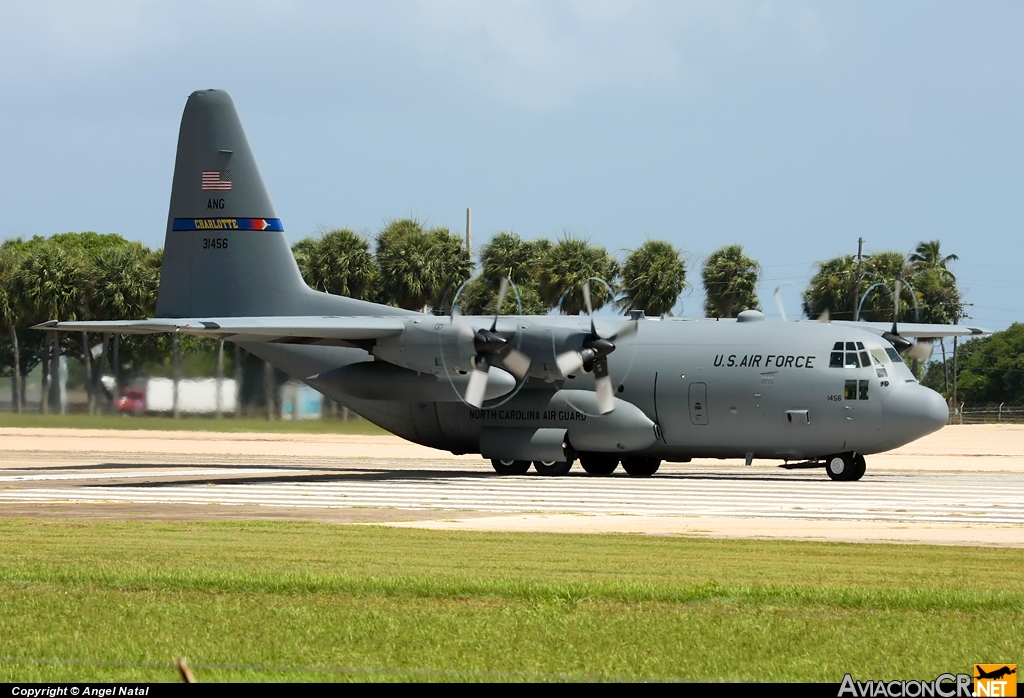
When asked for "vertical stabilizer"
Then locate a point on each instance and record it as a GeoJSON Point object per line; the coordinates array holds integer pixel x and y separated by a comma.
{"type": "Point", "coordinates": [226, 253]}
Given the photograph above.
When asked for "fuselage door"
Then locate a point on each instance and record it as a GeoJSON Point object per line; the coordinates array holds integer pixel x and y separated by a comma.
{"type": "Point", "coordinates": [699, 403]}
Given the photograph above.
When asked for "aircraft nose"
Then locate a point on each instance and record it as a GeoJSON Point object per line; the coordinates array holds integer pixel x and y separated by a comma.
{"type": "Point", "coordinates": [912, 411]}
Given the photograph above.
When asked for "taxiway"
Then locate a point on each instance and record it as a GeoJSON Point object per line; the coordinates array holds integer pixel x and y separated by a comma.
{"type": "Point", "coordinates": [964, 485]}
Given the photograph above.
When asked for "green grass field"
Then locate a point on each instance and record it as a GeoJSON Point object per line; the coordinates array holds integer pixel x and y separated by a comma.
{"type": "Point", "coordinates": [227, 424]}
{"type": "Point", "coordinates": [84, 600]}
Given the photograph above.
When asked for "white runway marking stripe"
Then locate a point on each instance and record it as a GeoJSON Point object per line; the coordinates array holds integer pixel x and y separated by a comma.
{"type": "Point", "coordinates": [128, 474]}
{"type": "Point", "coordinates": [727, 492]}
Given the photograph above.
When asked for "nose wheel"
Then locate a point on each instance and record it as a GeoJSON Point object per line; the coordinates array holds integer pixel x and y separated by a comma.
{"type": "Point", "coordinates": [845, 467]}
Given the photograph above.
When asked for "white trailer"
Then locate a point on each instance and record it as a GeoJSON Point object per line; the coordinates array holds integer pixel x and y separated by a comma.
{"type": "Point", "coordinates": [194, 396]}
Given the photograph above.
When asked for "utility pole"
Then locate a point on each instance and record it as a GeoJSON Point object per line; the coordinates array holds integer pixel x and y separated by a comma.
{"type": "Point", "coordinates": [220, 379]}
{"type": "Point", "coordinates": [176, 373]}
{"type": "Point", "coordinates": [856, 288]}
{"type": "Point", "coordinates": [469, 232]}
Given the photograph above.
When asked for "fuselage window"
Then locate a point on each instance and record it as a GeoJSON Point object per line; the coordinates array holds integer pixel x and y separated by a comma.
{"type": "Point", "coordinates": [850, 346]}
{"type": "Point", "coordinates": [860, 345]}
{"type": "Point", "coordinates": [864, 360]}
{"type": "Point", "coordinates": [851, 360]}
{"type": "Point", "coordinates": [838, 346]}
{"type": "Point", "coordinates": [836, 360]}
{"type": "Point", "coordinates": [855, 390]}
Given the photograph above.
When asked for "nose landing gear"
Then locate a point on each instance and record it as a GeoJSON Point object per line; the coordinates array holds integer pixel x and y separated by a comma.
{"type": "Point", "coordinates": [845, 467]}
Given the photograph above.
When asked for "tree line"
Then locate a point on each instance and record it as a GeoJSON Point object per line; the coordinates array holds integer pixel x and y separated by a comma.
{"type": "Point", "coordinates": [103, 276]}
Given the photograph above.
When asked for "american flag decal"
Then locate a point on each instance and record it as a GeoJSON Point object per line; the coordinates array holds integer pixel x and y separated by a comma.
{"type": "Point", "coordinates": [216, 180]}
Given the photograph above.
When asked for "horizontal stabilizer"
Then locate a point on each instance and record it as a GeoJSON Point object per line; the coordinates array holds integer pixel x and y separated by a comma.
{"type": "Point", "coordinates": [258, 328]}
{"type": "Point", "coordinates": [917, 329]}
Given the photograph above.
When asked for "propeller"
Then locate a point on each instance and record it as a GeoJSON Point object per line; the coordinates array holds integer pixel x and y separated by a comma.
{"type": "Point", "coordinates": [778, 302]}
{"type": "Point", "coordinates": [901, 344]}
{"type": "Point", "coordinates": [490, 347]}
{"type": "Point", "coordinates": [922, 350]}
{"type": "Point", "coordinates": [594, 356]}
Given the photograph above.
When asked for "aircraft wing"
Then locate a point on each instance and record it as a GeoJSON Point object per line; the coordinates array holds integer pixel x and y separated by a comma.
{"type": "Point", "coordinates": [917, 329]}
{"type": "Point", "coordinates": [255, 328]}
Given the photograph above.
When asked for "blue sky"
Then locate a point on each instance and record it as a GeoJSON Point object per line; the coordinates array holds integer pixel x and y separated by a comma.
{"type": "Point", "coordinates": [791, 128]}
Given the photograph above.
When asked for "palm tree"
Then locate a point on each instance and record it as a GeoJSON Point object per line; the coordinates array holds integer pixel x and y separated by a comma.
{"type": "Point", "coordinates": [941, 300]}
{"type": "Point", "coordinates": [403, 253]}
{"type": "Point", "coordinates": [339, 262]}
{"type": "Point", "coordinates": [730, 282]}
{"type": "Point", "coordinates": [882, 270]}
{"type": "Point", "coordinates": [506, 255]}
{"type": "Point", "coordinates": [567, 266]}
{"type": "Point", "coordinates": [125, 279]}
{"type": "Point", "coordinates": [51, 282]}
{"type": "Point", "coordinates": [303, 252]}
{"type": "Point", "coordinates": [10, 261]}
{"type": "Point", "coordinates": [478, 298]}
{"type": "Point", "coordinates": [652, 279]}
{"type": "Point", "coordinates": [420, 268]}
{"type": "Point", "coordinates": [832, 289]}
{"type": "Point", "coordinates": [928, 257]}
{"type": "Point", "coordinates": [449, 266]}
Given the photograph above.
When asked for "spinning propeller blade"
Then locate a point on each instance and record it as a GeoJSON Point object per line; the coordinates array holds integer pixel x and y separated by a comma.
{"type": "Point", "coordinates": [778, 302]}
{"type": "Point", "coordinates": [489, 346]}
{"type": "Point", "coordinates": [516, 362]}
{"type": "Point", "coordinates": [922, 350]}
{"type": "Point", "coordinates": [594, 356]}
{"type": "Point", "coordinates": [477, 386]}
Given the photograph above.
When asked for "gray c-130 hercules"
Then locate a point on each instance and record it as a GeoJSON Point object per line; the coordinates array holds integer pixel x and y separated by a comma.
{"type": "Point", "coordinates": [523, 390]}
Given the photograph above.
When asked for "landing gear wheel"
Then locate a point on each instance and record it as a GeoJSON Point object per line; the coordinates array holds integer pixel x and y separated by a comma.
{"type": "Point", "coordinates": [860, 465]}
{"type": "Point", "coordinates": [642, 466]}
{"type": "Point", "coordinates": [510, 467]}
{"type": "Point", "coordinates": [599, 463]}
{"type": "Point", "coordinates": [552, 468]}
{"type": "Point", "coordinates": [841, 467]}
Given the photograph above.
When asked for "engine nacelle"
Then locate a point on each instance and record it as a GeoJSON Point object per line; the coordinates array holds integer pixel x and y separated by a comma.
{"type": "Point", "coordinates": [378, 380]}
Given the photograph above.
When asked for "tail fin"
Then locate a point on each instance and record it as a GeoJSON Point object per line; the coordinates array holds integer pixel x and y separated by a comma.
{"type": "Point", "coordinates": [225, 253]}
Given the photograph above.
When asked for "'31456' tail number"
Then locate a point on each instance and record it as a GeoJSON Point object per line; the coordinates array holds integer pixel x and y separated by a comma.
{"type": "Point", "coordinates": [215, 243]}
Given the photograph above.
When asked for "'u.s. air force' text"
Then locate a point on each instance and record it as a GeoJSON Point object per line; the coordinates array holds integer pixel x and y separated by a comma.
{"type": "Point", "coordinates": [770, 361]}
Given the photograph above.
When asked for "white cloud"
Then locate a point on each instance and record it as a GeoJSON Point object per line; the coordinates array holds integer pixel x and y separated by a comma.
{"type": "Point", "coordinates": [540, 53]}
{"type": "Point", "coordinates": [537, 54]}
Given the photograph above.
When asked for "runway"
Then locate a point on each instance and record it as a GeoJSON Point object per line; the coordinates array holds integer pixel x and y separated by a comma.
{"type": "Point", "coordinates": [708, 498]}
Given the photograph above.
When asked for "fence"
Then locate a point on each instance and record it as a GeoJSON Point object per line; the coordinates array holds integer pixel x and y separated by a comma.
{"type": "Point", "coordinates": [999, 414]}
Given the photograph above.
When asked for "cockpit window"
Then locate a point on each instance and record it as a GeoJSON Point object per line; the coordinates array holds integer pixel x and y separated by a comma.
{"type": "Point", "coordinates": [856, 355]}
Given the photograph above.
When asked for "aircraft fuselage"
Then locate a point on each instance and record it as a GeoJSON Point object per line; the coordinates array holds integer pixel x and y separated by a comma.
{"type": "Point", "coordinates": [684, 389]}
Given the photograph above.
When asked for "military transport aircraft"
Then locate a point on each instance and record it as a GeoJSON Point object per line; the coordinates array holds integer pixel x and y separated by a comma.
{"type": "Point", "coordinates": [523, 390]}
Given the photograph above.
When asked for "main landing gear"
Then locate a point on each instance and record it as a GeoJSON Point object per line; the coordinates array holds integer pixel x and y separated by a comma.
{"type": "Point", "coordinates": [593, 464]}
{"type": "Point", "coordinates": [845, 467]}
